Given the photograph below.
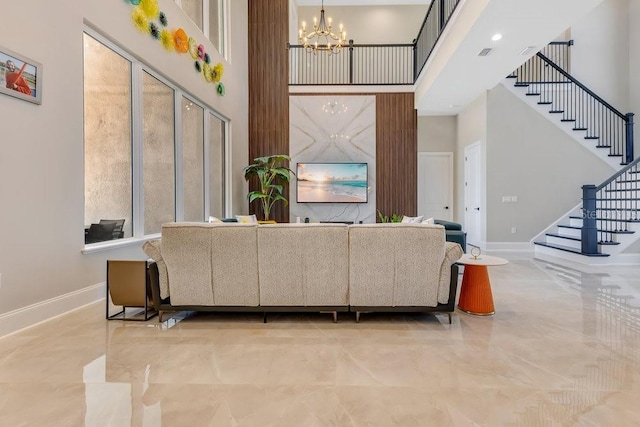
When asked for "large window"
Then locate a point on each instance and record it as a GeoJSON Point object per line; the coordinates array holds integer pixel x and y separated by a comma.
{"type": "Point", "coordinates": [193, 160]}
{"type": "Point", "coordinates": [216, 165]}
{"type": "Point", "coordinates": [193, 9]}
{"type": "Point", "coordinates": [153, 154]}
{"type": "Point", "coordinates": [158, 154]}
{"type": "Point", "coordinates": [107, 133]}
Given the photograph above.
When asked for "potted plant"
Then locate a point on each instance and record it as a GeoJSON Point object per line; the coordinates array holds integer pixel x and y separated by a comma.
{"type": "Point", "coordinates": [272, 175]}
{"type": "Point", "coordinates": [384, 218]}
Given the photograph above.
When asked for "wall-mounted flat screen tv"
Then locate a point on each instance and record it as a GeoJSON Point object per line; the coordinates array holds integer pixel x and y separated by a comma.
{"type": "Point", "coordinates": [332, 183]}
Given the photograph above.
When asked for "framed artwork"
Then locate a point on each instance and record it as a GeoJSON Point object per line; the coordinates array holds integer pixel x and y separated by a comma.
{"type": "Point", "coordinates": [20, 76]}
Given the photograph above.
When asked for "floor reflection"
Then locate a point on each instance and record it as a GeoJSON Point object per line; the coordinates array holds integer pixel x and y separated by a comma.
{"type": "Point", "coordinates": [563, 349]}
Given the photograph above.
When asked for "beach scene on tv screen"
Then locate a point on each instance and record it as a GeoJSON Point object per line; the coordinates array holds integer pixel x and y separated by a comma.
{"type": "Point", "coordinates": [332, 182]}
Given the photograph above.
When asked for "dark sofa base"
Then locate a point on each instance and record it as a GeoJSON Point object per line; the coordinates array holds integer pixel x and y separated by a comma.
{"type": "Point", "coordinates": [168, 308]}
{"type": "Point", "coordinates": [164, 306]}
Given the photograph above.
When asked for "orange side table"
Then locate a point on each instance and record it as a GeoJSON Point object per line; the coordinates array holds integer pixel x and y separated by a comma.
{"type": "Point", "coordinates": [475, 294]}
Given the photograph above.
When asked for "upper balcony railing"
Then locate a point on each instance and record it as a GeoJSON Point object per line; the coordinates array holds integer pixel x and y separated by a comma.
{"type": "Point", "coordinates": [372, 64]}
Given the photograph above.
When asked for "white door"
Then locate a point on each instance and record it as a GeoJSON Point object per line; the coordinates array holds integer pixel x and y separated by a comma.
{"type": "Point", "coordinates": [435, 185]}
{"type": "Point", "coordinates": [472, 193]}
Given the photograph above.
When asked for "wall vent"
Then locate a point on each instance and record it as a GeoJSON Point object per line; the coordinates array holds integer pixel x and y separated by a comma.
{"type": "Point", "coordinates": [485, 51]}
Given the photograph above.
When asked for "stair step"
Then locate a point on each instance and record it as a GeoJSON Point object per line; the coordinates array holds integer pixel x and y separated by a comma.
{"type": "Point", "coordinates": [579, 128]}
{"type": "Point", "coordinates": [617, 231]}
{"type": "Point", "coordinates": [620, 200]}
{"type": "Point", "coordinates": [556, 111]}
{"type": "Point", "coordinates": [568, 249]}
{"type": "Point", "coordinates": [575, 227]}
{"type": "Point", "coordinates": [568, 120]}
{"type": "Point", "coordinates": [521, 84]}
{"type": "Point", "coordinates": [532, 94]}
{"type": "Point", "coordinates": [512, 76]}
{"type": "Point", "coordinates": [620, 209]}
{"type": "Point", "coordinates": [603, 146]}
{"type": "Point", "coordinates": [615, 155]}
{"type": "Point", "coordinates": [628, 180]}
{"type": "Point", "coordinates": [545, 103]}
{"type": "Point", "coordinates": [562, 236]}
{"type": "Point", "coordinates": [609, 243]}
{"type": "Point", "coordinates": [591, 137]}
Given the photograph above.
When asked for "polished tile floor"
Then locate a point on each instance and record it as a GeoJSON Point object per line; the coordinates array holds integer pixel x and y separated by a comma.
{"type": "Point", "coordinates": [563, 349]}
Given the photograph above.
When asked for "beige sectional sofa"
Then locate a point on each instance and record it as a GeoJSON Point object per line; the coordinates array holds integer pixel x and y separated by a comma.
{"type": "Point", "coordinates": [303, 267]}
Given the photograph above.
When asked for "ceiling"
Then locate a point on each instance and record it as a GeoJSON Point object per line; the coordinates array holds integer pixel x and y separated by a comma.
{"type": "Point", "coordinates": [455, 75]}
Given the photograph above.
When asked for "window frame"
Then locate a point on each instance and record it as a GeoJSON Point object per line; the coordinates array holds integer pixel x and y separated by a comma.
{"type": "Point", "coordinates": [138, 68]}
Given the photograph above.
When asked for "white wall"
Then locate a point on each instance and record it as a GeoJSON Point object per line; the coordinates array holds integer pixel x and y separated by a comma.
{"type": "Point", "coordinates": [41, 155]}
{"type": "Point", "coordinates": [437, 133]}
{"type": "Point", "coordinates": [370, 24]}
{"type": "Point", "coordinates": [634, 67]}
{"type": "Point", "coordinates": [600, 55]}
{"type": "Point", "coordinates": [471, 128]}
{"type": "Point", "coordinates": [530, 157]}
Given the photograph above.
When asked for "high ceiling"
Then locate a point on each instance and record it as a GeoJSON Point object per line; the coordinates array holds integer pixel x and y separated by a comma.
{"type": "Point", "coordinates": [455, 75]}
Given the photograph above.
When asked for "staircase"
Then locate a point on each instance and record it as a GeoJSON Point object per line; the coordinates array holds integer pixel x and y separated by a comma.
{"type": "Point", "coordinates": [608, 219]}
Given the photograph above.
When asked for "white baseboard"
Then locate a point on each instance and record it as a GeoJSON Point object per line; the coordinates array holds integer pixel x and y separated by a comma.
{"type": "Point", "coordinates": [31, 315]}
{"type": "Point", "coordinates": [508, 246]}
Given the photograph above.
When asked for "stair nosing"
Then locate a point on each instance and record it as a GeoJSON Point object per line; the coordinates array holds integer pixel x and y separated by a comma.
{"type": "Point", "coordinates": [568, 249]}
{"type": "Point", "coordinates": [560, 236]}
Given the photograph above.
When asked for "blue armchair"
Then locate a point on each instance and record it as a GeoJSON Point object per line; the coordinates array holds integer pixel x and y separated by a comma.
{"type": "Point", "coordinates": [454, 233]}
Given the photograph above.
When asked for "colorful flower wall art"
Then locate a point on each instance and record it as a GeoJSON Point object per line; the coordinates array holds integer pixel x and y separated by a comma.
{"type": "Point", "coordinates": [148, 19]}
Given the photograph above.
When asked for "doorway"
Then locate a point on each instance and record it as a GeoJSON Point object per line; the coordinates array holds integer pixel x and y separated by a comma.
{"type": "Point", "coordinates": [473, 193]}
{"type": "Point", "coordinates": [435, 185]}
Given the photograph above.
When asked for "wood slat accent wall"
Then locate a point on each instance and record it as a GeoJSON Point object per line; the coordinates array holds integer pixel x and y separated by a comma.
{"type": "Point", "coordinates": [396, 154]}
{"type": "Point", "coordinates": [268, 24]}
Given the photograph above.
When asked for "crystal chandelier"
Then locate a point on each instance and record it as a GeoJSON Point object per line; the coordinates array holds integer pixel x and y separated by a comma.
{"type": "Point", "coordinates": [321, 38]}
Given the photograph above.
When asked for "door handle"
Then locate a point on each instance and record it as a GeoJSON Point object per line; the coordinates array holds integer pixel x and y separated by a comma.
{"type": "Point", "coordinates": [477, 209]}
{"type": "Point", "coordinates": [446, 207]}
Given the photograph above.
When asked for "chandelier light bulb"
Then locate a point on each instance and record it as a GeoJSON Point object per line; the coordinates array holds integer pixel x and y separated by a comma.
{"type": "Point", "coordinates": [322, 38]}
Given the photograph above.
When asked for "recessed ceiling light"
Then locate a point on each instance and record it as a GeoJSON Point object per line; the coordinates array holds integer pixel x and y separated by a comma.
{"type": "Point", "coordinates": [496, 37]}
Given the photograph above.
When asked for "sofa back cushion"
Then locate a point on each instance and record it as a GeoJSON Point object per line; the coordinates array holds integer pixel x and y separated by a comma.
{"type": "Point", "coordinates": [234, 264]}
{"type": "Point", "coordinates": [186, 250]}
{"type": "Point", "coordinates": [211, 264]}
{"type": "Point", "coordinates": [395, 265]}
{"type": "Point", "coordinates": [303, 264]}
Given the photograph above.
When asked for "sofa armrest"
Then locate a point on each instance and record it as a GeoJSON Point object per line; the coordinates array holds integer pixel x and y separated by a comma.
{"type": "Point", "coordinates": [152, 249]}
{"type": "Point", "coordinates": [154, 284]}
{"type": "Point", "coordinates": [452, 253]}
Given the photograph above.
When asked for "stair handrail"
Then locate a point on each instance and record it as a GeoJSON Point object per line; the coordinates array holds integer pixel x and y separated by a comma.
{"type": "Point", "coordinates": [626, 118]}
{"type": "Point", "coordinates": [617, 174]}
{"type": "Point", "coordinates": [580, 85]}
{"type": "Point", "coordinates": [441, 21]}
